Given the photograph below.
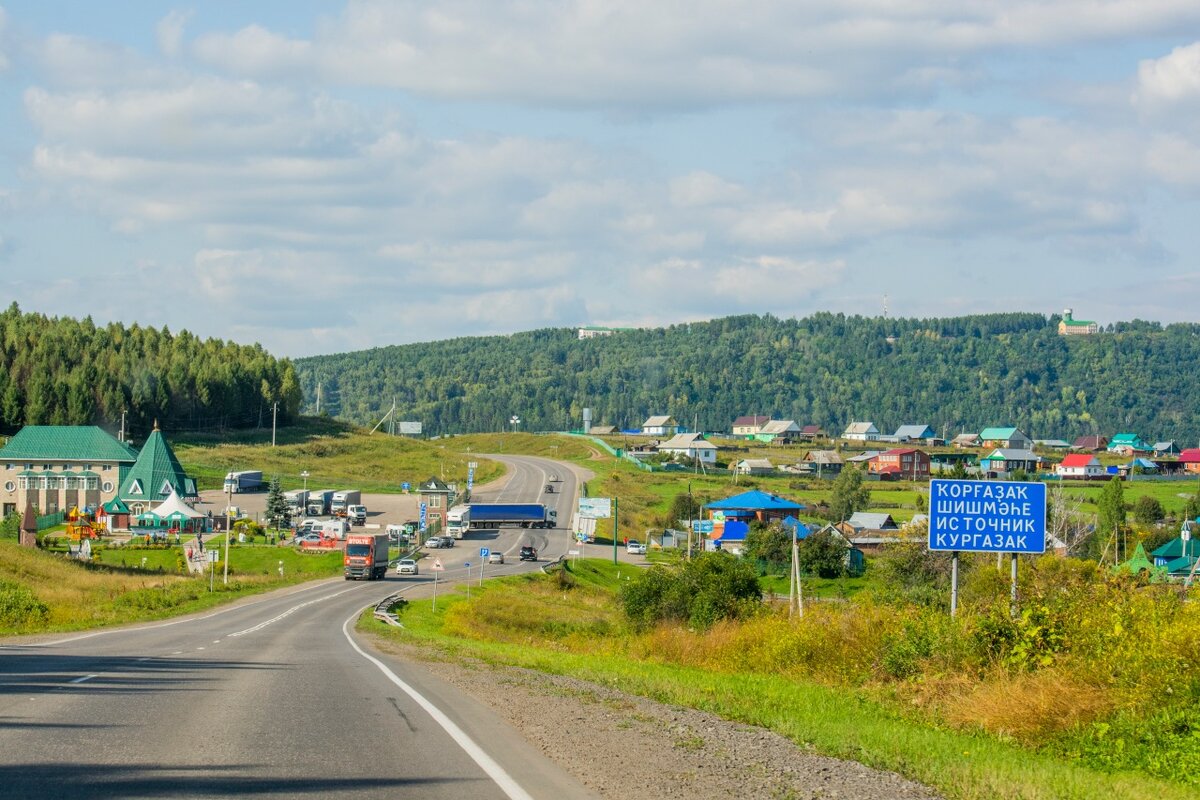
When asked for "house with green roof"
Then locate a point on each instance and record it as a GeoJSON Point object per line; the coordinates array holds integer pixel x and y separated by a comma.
{"type": "Point", "coordinates": [1128, 444]}
{"type": "Point", "coordinates": [58, 467]}
{"type": "Point", "coordinates": [1005, 439]}
{"type": "Point", "coordinates": [155, 476]}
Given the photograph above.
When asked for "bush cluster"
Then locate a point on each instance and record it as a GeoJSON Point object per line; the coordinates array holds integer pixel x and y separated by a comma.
{"type": "Point", "coordinates": [20, 607]}
{"type": "Point", "coordinates": [710, 587]}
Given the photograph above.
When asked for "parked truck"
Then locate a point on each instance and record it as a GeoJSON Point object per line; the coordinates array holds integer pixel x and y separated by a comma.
{"type": "Point", "coordinates": [318, 501]}
{"type": "Point", "coordinates": [526, 515]}
{"type": "Point", "coordinates": [244, 481]}
{"type": "Point", "coordinates": [297, 501]}
{"type": "Point", "coordinates": [343, 500]}
{"type": "Point", "coordinates": [366, 556]}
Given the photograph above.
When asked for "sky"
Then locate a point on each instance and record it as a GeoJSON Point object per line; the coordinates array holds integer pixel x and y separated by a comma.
{"type": "Point", "coordinates": [323, 177]}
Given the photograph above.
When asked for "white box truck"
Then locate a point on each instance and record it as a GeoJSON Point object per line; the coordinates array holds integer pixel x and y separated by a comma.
{"type": "Point", "coordinates": [343, 500]}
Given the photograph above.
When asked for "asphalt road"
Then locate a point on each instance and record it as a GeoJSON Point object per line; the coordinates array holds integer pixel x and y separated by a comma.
{"type": "Point", "coordinates": [272, 697]}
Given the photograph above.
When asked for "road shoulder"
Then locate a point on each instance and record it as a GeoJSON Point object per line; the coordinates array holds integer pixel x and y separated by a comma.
{"type": "Point", "coordinates": [621, 745]}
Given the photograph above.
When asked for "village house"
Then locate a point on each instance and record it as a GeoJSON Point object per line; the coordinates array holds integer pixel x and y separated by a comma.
{"type": "Point", "coordinates": [749, 425]}
{"type": "Point", "coordinates": [660, 426]}
{"type": "Point", "coordinates": [155, 476]}
{"type": "Point", "coordinates": [822, 462]}
{"type": "Point", "coordinates": [1168, 448]}
{"type": "Point", "coordinates": [810, 432]}
{"type": "Point", "coordinates": [1004, 461]}
{"type": "Point", "coordinates": [690, 445]}
{"type": "Point", "coordinates": [1080, 465]}
{"type": "Point", "coordinates": [778, 431]}
{"type": "Point", "coordinates": [914, 433]}
{"type": "Point", "coordinates": [901, 463]}
{"type": "Point", "coordinates": [861, 432]}
{"type": "Point", "coordinates": [1190, 459]}
{"type": "Point", "coordinates": [1127, 444]}
{"type": "Point", "coordinates": [965, 440]}
{"type": "Point", "coordinates": [1004, 439]}
{"type": "Point", "coordinates": [754, 466]}
{"type": "Point", "coordinates": [753, 505]}
{"type": "Point", "coordinates": [1093, 443]}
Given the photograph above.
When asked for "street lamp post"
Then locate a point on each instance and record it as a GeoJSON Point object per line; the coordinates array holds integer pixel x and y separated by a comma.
{"type": "Point", "coordinates": [304, 475]}
{"type": "Point", "coordinates": [514, 421]}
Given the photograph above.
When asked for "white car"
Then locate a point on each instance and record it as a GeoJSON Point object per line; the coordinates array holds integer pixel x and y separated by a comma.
{"type": "Point", "coordinates": [407, 566]}
{"type": "Point", "coordinates": [634, 547]}
{"type": "Point", "coordinates": [496, 558]}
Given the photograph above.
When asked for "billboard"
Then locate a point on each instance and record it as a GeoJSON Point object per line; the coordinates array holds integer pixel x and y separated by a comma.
{"type": "Point", "coordinates": [410, 428]}
{"type": "Point", "coordinates": [595, 507]}
{"type": "Point", "coordinates": [987, 516]}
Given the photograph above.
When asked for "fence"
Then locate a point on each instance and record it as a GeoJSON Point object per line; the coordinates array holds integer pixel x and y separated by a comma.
{"type": "Point", "coordinates": [50, 520]}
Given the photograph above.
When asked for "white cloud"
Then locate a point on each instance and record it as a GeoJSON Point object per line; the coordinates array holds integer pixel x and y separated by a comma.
{"type": "Point", "coordinates": [169, 32]}
{"type": "Point", "coordinates": [1169, 81]}
{"type": "Point", "coordinates": [254, 50]}
{"type": "Point", "coordinates": [677, 54]}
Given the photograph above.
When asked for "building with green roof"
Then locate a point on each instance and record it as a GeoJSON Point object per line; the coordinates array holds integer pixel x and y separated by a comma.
{"type": "Point", "coordinates": [1069, 326]}
{"type": "Point", "coordinates": [57, 467]}
{"type": "Point", "coordinates": [154, 476]}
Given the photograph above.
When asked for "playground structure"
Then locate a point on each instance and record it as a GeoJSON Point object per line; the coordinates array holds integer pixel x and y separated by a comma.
{"type": "Point", "coordinates": [81, 525]}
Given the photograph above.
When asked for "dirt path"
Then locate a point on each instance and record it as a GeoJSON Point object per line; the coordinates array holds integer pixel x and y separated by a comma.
{"type": "Point", "coordinates": [627, 747]}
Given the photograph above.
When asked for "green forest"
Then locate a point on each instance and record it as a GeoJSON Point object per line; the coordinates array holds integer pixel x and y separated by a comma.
{"type": "Point", "coordinates": [62, 371]}
{"type": "Point", "coordinates": [956, 374]}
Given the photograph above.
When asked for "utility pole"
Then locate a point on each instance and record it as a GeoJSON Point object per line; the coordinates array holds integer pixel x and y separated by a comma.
{"type": "Point", "coordinates": [121, 438]}
{"type": "Point", "coordinates": [318, 399]}
{"type": "Point", "coordinates": [274, 414]}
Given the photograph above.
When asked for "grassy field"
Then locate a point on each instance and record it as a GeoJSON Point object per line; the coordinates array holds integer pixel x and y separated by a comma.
{"type": "Point", "coordinates": [41, 592]}
{"type": "Point", "coordinates": [540, 623]}
{"type": "Point", "coordinates": [334, 455]}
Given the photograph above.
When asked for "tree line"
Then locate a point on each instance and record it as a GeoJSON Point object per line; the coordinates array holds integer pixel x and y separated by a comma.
{"type": "Point", "coordinates": [956, 374]}
{"type": "Point", "coordinates": [63, 371]}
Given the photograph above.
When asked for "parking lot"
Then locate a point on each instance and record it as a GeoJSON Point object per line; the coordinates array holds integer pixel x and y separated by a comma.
{"type": "Point", "coordinates": [382, 509]}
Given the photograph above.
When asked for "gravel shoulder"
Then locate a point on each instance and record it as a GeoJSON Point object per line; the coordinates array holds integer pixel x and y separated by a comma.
{"type": "Point", "coordinates": [623, 746]}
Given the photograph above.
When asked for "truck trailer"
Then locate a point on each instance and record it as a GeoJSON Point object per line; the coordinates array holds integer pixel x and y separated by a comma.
{"type": "Point", "coordinates": [297, 501]}
{"type": "Point", "coordinates": [344, 499]}
{"type": "Point", "coordinates": [366, 556]}
{"type": "Point", "coordinates": [318, 501]}
{"type": "Point", "coordinates": [244, 481]}
{"type": "Point", "coordinates": [526, 515]}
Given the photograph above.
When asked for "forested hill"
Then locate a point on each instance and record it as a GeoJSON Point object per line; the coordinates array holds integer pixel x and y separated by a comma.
{"type": "Point", "coordinates": [957, 374]}
{"type": "Point", "coordinates": [61, 371]}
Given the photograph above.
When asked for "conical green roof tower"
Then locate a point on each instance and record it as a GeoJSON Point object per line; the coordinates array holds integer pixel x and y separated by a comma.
{"type": "Point", "coordinates": [156, 473]}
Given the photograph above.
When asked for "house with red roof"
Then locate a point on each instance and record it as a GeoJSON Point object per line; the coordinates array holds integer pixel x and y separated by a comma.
{"type": "Point", "coordinates": [1190, 459]}
{"type": "Point", "coordinates": [1080, 465]}
{"type": "Point", "coordinates": [901, 463]}
{"type": "Point", "coordinates": [749, 425]}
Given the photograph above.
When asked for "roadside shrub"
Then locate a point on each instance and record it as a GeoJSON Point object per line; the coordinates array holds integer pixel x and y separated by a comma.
{"type": "Point", "coordinates": [20, 607]}
{"type": "Point", "coordinates": [710, 587]}
{"type": "Point", "coordinates": [159, 598]}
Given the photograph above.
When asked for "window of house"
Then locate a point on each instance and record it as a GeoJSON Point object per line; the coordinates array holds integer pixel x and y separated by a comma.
{"type": "Point", "coordinates": [9, 486]}
{"type": "Point", "coordinates": [108, 487]}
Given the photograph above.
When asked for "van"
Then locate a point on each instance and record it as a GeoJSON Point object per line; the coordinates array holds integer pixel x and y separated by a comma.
{"type": "Point", "coordinates": [397, 534]}
{"type": "Point", "coordinates": [337, 528]}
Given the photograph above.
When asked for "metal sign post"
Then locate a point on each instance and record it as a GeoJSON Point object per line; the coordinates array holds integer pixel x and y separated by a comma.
{"type": "Point", "coordinates": [468, 566]}
{"type": "Point", "coordinates": [986, 517]}
{"type": "Point", "coordinates": [437, 567]}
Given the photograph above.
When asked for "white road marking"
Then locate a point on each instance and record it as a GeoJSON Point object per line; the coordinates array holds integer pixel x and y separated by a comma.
{"type": "Point", "coordinates": [287, 613]}
{"type": "Point", "coordinates": [216, 641]}
{"type": "Point", "coordinates": [488, 764]}
{"type": "Point", "coordinates": [85, 678]}
{"type": "Point", "coordinates": [146, 658]}
{"type": "Point", "coordinates": [177, 653]}
{"type": "Point", "coordinates": [199, 648]}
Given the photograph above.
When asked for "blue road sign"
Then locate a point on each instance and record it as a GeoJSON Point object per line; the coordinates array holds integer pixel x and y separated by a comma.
{"type": "Point", "coordinates": [424, 517]}
{"type": "Point", "coordinates": [470, 478]}
{"type": "Point", "coordinates": [987, 516]}
{"type": "Point", "coordinates": [405, 486]}
{"type": "Point", "coordinates": [484, 552]}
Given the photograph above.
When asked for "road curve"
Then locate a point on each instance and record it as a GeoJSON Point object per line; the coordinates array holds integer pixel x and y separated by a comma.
{"type": "Point", "coordinates": [273, 697]}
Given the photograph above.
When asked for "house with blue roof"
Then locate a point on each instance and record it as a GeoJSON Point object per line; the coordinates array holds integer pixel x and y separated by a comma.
{"type": "Point", "coordinates": [754, 505]}
{"type": "Point", "coordinates": [1128, 444]}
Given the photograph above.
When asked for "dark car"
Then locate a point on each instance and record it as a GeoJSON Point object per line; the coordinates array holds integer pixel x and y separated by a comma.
{"type": "Point", "coordinates": [528, 553]}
